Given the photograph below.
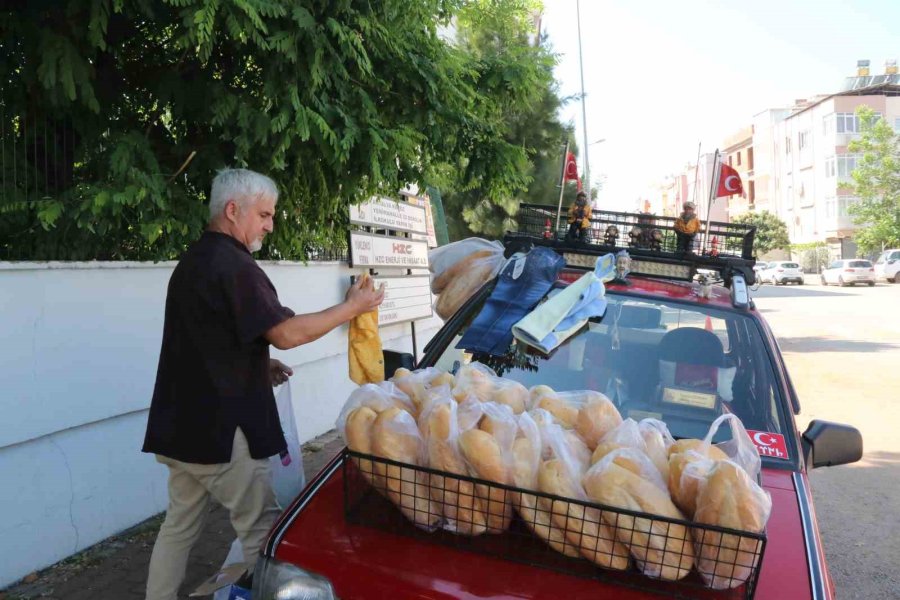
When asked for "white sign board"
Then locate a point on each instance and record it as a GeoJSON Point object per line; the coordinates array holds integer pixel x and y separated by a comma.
{"type": "Point", "coordinates": [384, 213]}
{"type": "Point", "coordinates": [370, 250]}
{"type": "Point", "coordinates": [405, 299]}
{"type": "Point", "coordinates": [429, 219]}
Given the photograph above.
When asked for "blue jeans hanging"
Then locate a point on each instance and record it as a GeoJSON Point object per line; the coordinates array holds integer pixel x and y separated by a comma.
{"type": "Point", "coordinates": [523, 282]}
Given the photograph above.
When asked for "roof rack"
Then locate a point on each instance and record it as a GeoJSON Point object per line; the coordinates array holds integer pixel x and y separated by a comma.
{"type": "Point", "coordinates": [650, 240]}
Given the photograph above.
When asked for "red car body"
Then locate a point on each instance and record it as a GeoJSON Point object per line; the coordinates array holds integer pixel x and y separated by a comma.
{"type": "Point", "coordinates": [365, 563]}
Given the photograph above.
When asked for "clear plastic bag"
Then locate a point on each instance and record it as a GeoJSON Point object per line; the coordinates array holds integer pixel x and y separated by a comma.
{"type": "Point", "coordinates": [460, 269]}
{"type": "Point", "coordinates": [740, 447]}
{"type": "Point", "coordinates": [560, 474]}
{"type": "Point", "coordinates": [377, 397]}
{"type": "Point", "coordinates": [626, 478]}
{"type": "Point", "coordinates": [657, 441]}
{"type": "Point", "coordinates": [596, 417]}
{"type": "Point", "coordinates": [416, 383]}
{"type": "Point", "coordinates": [564, 406]}
{"type": "Point", "coordinates": [510, 393]}
{"type": "Point", "coordinates": [475, 380]}
{"type": "Point", "coordinates": [463, 511]}
{"type": "Point", "coordinates": [626, 435]}
{"type": "Point", "coordinates": [729, 497]}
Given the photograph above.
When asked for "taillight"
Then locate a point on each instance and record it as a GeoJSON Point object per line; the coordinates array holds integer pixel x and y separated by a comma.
{"type": "Point", "coordinates": [780, 270]}
{"type": "Point", "coordinates": [871, 270]}
{"type": "Point", "coordinates": [848, 270]}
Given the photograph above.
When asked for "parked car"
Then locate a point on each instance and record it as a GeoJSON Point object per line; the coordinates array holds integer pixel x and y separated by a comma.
{"type": "Point", "coordinates": [848, 272]}
{"type": "Point", "coordinates": [887, 266]}
{"type": "Point", "coordinates": [781, 272]}
{"type": "Point", "coordinates": [759, 267]}
{"type": "Point", "coordinates": [331, 544]}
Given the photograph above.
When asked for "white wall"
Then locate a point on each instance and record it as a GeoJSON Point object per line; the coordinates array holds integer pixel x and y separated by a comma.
{"type": "Point", "coordinates": [77, 366]}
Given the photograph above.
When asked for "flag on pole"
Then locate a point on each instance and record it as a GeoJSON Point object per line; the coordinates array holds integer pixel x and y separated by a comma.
{"type": "Point", "coordinates": [729, 182]}
{"type": "Point", "coordinates": [572, 170]}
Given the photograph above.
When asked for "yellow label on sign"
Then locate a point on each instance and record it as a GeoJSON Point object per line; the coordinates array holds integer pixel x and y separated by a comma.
{"type": "Point", "coordinates": [688, 398]}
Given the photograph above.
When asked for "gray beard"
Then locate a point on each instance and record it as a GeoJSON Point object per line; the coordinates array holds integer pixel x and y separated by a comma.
{"type": "Point", "coordinates": [256, 246]}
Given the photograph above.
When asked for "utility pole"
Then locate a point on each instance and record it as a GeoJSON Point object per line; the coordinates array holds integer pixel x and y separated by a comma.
{"type": "Point", "coordinates": [587, 166]}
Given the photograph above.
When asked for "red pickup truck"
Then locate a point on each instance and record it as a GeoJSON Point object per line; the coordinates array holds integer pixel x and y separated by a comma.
{"type": "Point", "coordinates": [656, 318]}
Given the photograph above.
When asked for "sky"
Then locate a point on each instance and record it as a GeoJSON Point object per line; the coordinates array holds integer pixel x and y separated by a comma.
{"type": "Point", "coordinates": [662, 76]}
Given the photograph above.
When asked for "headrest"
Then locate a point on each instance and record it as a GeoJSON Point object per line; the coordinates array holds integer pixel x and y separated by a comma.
{"type": "Point", "coordinates": [692, 345]}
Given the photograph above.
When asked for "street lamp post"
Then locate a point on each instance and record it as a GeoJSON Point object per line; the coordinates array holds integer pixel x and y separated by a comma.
{"type": "Point", "coordinates": [587, 166]}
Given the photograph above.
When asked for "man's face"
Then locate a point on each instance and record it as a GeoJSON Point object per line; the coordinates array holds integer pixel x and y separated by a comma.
{"type": "Point", "coordinates": [254, 221]}
{"type": "Point", "coordinates": [688, 210]}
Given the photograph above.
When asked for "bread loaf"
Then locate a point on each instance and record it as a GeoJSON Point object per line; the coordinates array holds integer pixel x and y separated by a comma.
{"type": "Point", "coordinates": [564, 413]}
{"type": "Point", "coordinates": [695, 444]}
{"type": "Point", "coordinates": [462, 287]}
{"type": "Point", "coordinates": [457, 269]}
{"type": "Point", "coordinates": [595, 419]}
{"type": "Point", "coordinates": [729, 498]}
{"type": "Point", "coordinates": [696, 461]}
{"type": "Point", "coordinates": [476, 381]}
{"type": "Point", "coordinates": [533, 510]}
{"type": "Point", "coordinates": [662, 549]}
{"type": "Point", "coordinates": [358, 434]}
{"type": "Point", "coordinates": [485, 459]}
{"type": "Point", "coordinates": [582, 525]}
{"type": "Point", "coordinates": [395, 436]}
{"type": "Point", "coordinates": [656, 448]}
{"type": "Point", "coordinates": [455, 498]}
{"type": "Point", "coordinates": [511, 393]}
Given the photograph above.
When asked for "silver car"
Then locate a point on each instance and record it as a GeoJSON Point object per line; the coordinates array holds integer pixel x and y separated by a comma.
{"type": "Point", "coordinates": [849, 272]}
{"type": "Point", "coordinates": [781, 272]}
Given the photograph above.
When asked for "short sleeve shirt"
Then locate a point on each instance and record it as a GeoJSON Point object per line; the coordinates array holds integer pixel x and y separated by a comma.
{"type": "Point", "coordinates": [213, 373]}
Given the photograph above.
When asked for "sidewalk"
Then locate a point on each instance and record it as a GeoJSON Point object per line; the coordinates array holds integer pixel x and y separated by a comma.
{"type": "Point", "coordinates": [116, 568]}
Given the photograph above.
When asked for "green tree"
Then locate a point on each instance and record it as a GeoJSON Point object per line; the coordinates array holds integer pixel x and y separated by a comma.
{"type": "Point", "coordinates": [771, 232]}
{"type": "Point", "coordinates": [335, 100]}
{"type": "Point", "coordinates": [876, 180]}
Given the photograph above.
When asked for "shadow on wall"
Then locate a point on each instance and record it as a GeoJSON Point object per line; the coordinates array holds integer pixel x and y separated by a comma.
{"type": "Point", "coordinates": [859, 530]}
{"type": "Point", "coordinates": [824, 344]}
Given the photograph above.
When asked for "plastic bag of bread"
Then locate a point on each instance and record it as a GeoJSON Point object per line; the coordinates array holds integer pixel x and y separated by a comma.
{"type": "Point", "coordinates": [730, 498]}
{"type": "Point", "coordinates": [534, 510]}
{"type": "Point", "coordinates": [488, 455]}
{"type": "Point", "coordinates": [439, 423]}
{"type": "Point", "coordinates": [376, 396]}
{"type": "Point", "coordinates": [450, 260]}
{"type": "Point", "coordinates": [657, 441]}
{"type": "Point", "coordinates": [563, 406]}
{"type": "Point", "coordinates": [661, 548]}
{"type": "Point", "coordinates": [740, 448]}
{"type": "Point", "coordinates": [511, 393]}
{"type": "Point", "coordinates": [415, 383]}
{"type": "Point", "coordinates": [626, 435]}
{"type": "Point", "coordinates": [560, 475]}
{"type": "Point", "coordinates": [475, 380]}
{"type": "Point", "coordinates": [596, 417]}
{"type": "Point", "coordinates": [395, 436]}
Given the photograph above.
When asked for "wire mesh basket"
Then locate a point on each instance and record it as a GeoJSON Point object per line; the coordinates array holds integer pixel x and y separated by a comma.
{"type": "Point", "coordinates": [672, 557]}
{"type": "Point", "coordinates": [637, 231]}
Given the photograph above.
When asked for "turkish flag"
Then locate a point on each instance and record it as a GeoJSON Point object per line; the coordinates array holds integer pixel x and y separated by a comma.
{"type": "Point", "coordinates": [572, 169]}
{"type": "Point", "coordinates": [729, 182]}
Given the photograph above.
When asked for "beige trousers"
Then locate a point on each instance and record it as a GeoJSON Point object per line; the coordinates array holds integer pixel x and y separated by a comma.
{"type": "Point", "coordinates": [243, 486]}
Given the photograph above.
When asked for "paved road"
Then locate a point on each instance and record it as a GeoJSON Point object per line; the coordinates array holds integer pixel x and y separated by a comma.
{"type": "Point", "coordinates": [842, 346]}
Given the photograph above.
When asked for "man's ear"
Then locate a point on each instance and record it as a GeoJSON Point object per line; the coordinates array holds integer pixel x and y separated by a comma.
{"type": "Point", "coordinates": [232, 211]}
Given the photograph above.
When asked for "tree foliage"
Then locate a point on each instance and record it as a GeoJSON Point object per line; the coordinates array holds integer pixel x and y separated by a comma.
{"type": "Point", "coordinates": [335, 100]}
{"type": "Point", "coordinates": [771, 232]}
{"type": "Point", "coordinates": [876, 180]}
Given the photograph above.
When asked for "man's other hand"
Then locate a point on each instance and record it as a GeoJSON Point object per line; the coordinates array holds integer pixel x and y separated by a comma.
{"type": "Point", "coordinates": [363, 296]}
{"type": "Point", "coordinates": [278, 372]}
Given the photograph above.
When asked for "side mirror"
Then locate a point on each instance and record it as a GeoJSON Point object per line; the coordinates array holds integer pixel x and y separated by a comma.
{"type": "Point", "coordinates": [827, 444]}
{"type": "Point", "coordinates": [892, 261]}
{"type": "Point", "coordinates": [394, 360]}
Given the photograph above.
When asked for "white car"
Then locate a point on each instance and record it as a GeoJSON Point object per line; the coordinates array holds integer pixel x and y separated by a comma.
{"type": "Point", "coordinates": [849, 272]}
{"type": "Point", "coordinates": [780, 272]}
{"type": "Point", "coordinates": [888, 266]}
{"type": "Point", "coordinates": [760, 266]}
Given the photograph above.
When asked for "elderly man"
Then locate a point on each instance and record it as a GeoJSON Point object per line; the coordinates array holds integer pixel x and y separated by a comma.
{"type": "Point", "coordinates": [213, 420]}
{"type": "Point", "coordinates": [686, 227]}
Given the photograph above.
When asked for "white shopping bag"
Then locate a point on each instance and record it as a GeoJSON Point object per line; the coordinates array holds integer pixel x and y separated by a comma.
{"type": "Point", "coordinates": [288, 478]}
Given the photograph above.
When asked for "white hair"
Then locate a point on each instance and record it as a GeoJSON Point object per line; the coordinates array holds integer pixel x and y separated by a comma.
{"type": "Point", "coordinates": [241, 185]}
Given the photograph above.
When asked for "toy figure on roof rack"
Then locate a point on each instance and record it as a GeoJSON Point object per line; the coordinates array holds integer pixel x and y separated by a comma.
{"type": "Point", "coordinates": [579, 219]}
{"type": "Point", "coordinates": [645, 234]}
{"type": "Point", "coordinates": [686, 227]}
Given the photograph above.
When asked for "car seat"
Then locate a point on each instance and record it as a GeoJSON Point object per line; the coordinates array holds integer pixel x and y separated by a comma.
{"type": "Point", "coordinates": [691, 357]}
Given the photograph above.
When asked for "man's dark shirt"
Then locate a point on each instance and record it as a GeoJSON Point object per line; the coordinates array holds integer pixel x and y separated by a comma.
{"type": "Point", "coordinates": [213, 373]}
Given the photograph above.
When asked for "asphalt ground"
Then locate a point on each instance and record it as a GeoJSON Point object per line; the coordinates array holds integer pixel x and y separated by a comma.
{"type": "Point", "coordinates": [842, 348]}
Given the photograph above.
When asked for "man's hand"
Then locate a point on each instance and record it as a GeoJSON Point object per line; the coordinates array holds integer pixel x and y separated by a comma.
{"type": "Point", "coordinates": [362, 295]}
{"type": "Point", "coordinates": [278, 372]}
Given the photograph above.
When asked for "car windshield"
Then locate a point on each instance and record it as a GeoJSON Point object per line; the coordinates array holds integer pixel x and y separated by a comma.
{"type": "Point", "coordinates": [860, 264]}
{"type": "Point", "coordinates": [790, 265]}
{"type": "Point", "coordinates": [679, 363]}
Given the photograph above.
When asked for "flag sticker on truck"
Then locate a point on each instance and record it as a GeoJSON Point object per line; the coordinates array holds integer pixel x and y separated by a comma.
{"type": "Point", "coordinates": [769, 444]}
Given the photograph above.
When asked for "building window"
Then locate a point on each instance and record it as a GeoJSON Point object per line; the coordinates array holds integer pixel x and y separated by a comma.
{"type": "Point", "coordinates": [830, 207]}
{"type": "Point", "coordinates": [787, 146]}
{"type": "Point", "coordinates": [897, 124]}
{"type": "Point", "coordinates": [845, 202]}
{"type": "Point", "coordinates": [803, 140]}
{"type": "Point", "coordinates": [749, 159]}
{"type": "Point", "coordinates": [846, 164]}
{"type": "Point", "coordinates": [849, 122]}
{"type": "Point", "coordinates": [739, 158]}
{"type": "Point", "coordinates": [752, 188]}
{"type": "Point", "coordinates": [829, 166]}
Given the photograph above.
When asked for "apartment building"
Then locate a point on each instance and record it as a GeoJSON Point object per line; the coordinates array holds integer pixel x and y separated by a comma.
{"type": "Point", "coordinates": [739, 154]}
{"type": "Point", "coordinates": [811, 165]}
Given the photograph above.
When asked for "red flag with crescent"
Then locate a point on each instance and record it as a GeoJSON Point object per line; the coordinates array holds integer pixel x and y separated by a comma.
{"type": "Point", "coordinates": [572, 169]}
{"type": "Point", "coordinates": [729, 182]}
